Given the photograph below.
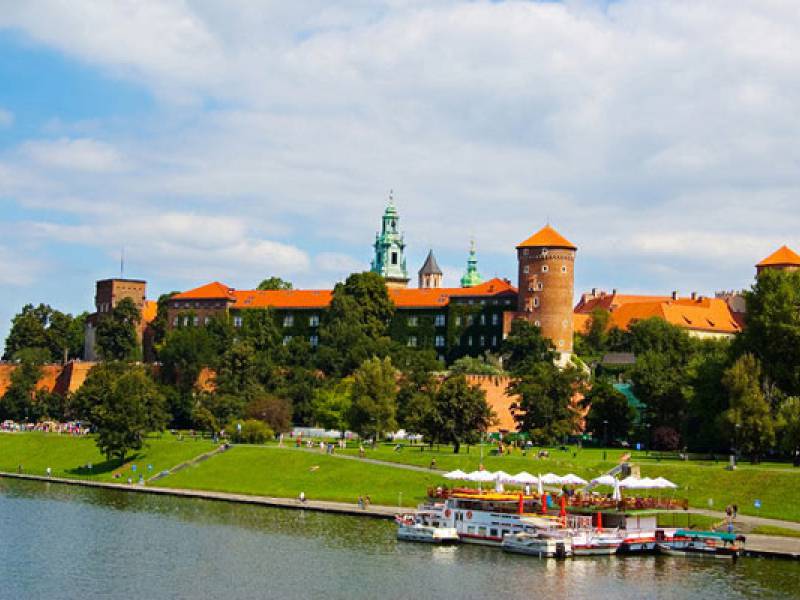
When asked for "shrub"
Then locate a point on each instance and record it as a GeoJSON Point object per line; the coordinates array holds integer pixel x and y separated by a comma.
{"type": "Point", "coordinates": [252, 431]}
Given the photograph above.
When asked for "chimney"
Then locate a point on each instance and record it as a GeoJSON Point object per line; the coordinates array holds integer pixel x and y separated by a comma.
{"type": "Point", "coordinates": [614, 292]}
{"type": "Point", "coordinates": [594, 292]}
{"type": "Point", "coordinates": [675, 294]}
{"type": "Point", "coordinates": [694, 295]}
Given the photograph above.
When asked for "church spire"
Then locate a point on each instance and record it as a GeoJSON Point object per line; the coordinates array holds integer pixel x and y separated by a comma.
{"type": "Point", "coordinates": [430, 275]}
{"type": "Point", "coordinates": [471, 276]}
{"type": "Point", "coordinates": [389, 260]}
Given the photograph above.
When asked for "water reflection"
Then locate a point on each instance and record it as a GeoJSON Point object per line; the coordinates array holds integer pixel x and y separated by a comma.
{"type": "Point", "coordinates": [62, 541]}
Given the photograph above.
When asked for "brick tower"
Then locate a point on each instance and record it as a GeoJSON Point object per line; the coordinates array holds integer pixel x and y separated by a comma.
{"type": "Point", "coordinates": [546, 285]}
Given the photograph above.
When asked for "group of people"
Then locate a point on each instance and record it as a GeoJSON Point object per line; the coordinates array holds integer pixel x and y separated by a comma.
{"type": "Point", "coordinates": [364, 502]}
{"type": "Point", "coordinates": [71, 427]}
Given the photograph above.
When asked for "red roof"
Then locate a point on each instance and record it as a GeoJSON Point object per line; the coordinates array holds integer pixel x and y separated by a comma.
{"type": "Point", "coordinates": [547, 237]}
{"type": "Point", "coordinates": [783, 256]}
{"type": "Point", "coordinates": [402, 297]}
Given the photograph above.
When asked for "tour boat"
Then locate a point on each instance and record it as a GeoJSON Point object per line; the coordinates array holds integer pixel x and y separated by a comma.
{"type": "Point", "coordinates": [703, 544]}
{"type": "Point", "coordinates": [415, 528]}
{"type": "Point", "coordinates": [538, 544]}
{"type": "Point", "coordinates": [595, 543]}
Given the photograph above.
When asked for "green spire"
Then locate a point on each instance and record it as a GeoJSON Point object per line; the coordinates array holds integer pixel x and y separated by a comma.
{"type": "Point", "coordinates": [471, 277]}
{"type": "Point", "coordinates": [389, 260]}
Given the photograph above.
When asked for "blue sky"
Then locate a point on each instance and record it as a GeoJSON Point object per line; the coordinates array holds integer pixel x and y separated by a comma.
{"type": "Point", "coordinates": [253, 139]}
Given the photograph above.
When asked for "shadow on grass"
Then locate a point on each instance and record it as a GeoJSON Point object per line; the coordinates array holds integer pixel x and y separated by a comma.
{"type": "Point", "coordinates": [102, 468]}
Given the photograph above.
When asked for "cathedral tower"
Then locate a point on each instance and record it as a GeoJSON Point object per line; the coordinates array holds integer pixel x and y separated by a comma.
{"type": "Point", "coordinates": [430, 275]}
{"type": "Point", "coordinates": [546, 285]}
{"type": "Point", "coordinates": [389, 261]}
{"type": "Point", "coordinates": [471, 277]}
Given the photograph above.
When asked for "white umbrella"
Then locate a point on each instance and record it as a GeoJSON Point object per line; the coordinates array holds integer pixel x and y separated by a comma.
{"type": "Point", "coordinates": [605, 480]}
{"type": "Point", "coordinates": [634, 483]}
{"type": "Point", "coordinates": [524, 478]}
{"type": "Point", "coordinates": [572, 479]}
{"type": "Point", "coordinates": [648, 484]}
{"type": "Point", "coordinates": [502, 476]}
{"type": "Point", "coordinates": [457, 474]}
{"type": "Point", "coordinates": [664, 483]}
{"type": "Point", "coordinates": [551, 479]}
{"type": "Point", "coordinates": [480, 476]}
{"type": "Point", "coordinates": [539, 486]}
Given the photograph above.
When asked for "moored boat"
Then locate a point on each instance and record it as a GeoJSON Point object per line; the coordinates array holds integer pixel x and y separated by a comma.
{"type": "Point", "coordinates": [703, 544]}
{"type": "Point", "coordinates": [538, 544]}
{"type": "Point", "coordinates": [414, 528]}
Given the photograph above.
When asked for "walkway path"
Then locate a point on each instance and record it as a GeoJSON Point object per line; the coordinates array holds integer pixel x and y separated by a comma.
{"type": "Point", "coordinates": [188, 463]}
{"type": "Point", "coordinates": [374, 461]}
{"type": "Point", "coordinates": [747, 520]}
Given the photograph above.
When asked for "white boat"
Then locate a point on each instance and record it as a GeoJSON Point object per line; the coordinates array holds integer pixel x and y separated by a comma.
{"type": "Point", "coordinates": [595, 543]}
{"type": "Point", "coordinates": [538, 544]}
{"type": "Point", "coordinates": [413, 528]}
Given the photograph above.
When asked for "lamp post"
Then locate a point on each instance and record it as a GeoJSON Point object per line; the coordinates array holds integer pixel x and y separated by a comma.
{"type": "Point", "coordinates": [605, 432]}
{"type": "Point", "coordinates": [736, 428]}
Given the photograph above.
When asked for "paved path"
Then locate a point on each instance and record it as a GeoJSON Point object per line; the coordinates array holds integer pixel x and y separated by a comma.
{"type": "Point", "coordinates": [748, 521]}
{"type": "Point", "coordinates": [374, 461]}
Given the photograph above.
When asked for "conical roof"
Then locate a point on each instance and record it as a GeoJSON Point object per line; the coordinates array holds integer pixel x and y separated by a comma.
{"type": "Point", "coordinates": [781, 257]}
{"type": "Point", "coordinates": [547, 237]}
{"type": "Point", "coordinates": [430, 266]}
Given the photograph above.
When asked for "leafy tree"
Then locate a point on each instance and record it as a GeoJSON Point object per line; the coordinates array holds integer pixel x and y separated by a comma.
{"type": "Point", "coordinates": [457, 414]}
{"type": "Point", "coordinates": [275, 412]}
{"type": "Point", "coordinates": [299, 386]}
{"type": "Point", "coordinates": [707, 398]}
{"type": "Point", "coordinates": [95, 388]}
{"type": "Point", "coordinates": [416, 377]}
{"type": "Point", "coordinates": [374, 398]}
{"type": "Point", "coordinates": [126, 411]}
{"type": "Point", "coordinates": [609, 415]}
{"type": "Point", "coordinates": [249, 431]}
{"type": "Point", "coordinates": [525, 346]}
{"type": "Point", "coordinates": [222, 407]}
{"type": "Point", "coordinates": [260, 329]}
{"type": "Point", "coordinates": [749, 418]}
{"type": "Point", "coordinates": [332, 405]}
{"type": "Point", "coordinates": [116, 332]}
{"type": "Point", "coordinates": [773, 327]}
{"type": "Point", "coordinates": [204, 419]}
{"type": "Point", "coordinates": [274, 283]}
{"type": "Point", "coordinates": [160, 325]}
{"type": "Point", "coordinates": [59, 333]}
{"type": "Point", "coordinates": [355, 327]}
{"type": "Point", "coordinates": [28, 329]}
{"type": "Point", "coordinates": [185, 352]}
{"type": "Point", "coordinates": [789, 427]}
{"type": "Point", "coordinates": [18, 399]}
{"type": "Point", "coordinates": [237, 371]}
{"type": "Point", "coordinates": [476, 365]}
{"type": "Point", "coordinates": [596, 336]}
{"type": "Point", "coordinates": [661, 385]}
{"type": "Point", "coordinates": [666, 438]}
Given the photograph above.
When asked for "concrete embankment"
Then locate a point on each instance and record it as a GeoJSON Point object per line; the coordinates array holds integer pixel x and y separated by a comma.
{"type": "Point", "coordinates": [378, 512]}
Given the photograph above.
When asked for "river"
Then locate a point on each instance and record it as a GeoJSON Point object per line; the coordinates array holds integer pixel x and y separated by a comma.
{"type": "Point", "coordinates": [68, 542]}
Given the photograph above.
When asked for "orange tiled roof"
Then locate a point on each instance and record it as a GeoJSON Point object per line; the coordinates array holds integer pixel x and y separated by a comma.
{"type": "Point", "coordinates": [402, 297]}
{"type": "Point", "coordinates": [547, 237]}
{"type": "Point", "coordinates": [703, 314]}
{"type": "Point", "coordinates": [782, 256]}
{"type": "Point", "coordinates": [611, 302]}
{"type": "Point", "coordinates": [149, 311]}
{"type": "Point", "coordinates": [210, 291]}
{"type": "Point", "coordinates": [580, 322]}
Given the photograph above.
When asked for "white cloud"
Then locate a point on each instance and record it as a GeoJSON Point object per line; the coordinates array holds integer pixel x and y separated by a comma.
{"type": "Point", "coordinates": [81, 154]}
{"type": "Point", "coordinates": [6, 118]}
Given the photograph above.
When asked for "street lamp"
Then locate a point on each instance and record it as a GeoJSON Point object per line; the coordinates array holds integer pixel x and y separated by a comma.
{"type": "Point", "coordinates": [736, 428]}
{"type": "Point", "coordinates": [605, 432]}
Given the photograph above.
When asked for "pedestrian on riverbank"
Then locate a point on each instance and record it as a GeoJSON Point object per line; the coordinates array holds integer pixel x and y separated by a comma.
{"type": "Point", "coordinates": [49, 471]}
{"type": "Point", "coordinates": [367, 501]}
{"type": "Point", "coordinates": [735, 508]}
{"type": "Point", "coordinates": [433, 464]}
{"type": "Point", "coordinates": [360, 503]}
{"type": "Point", "coordinates": [302, 497]}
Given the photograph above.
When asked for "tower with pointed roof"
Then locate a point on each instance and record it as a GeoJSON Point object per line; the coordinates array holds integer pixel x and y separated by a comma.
{"type": "Point", "coordinates": [430, 275]}
{"type": "Point", "coordinates": [783, 259]}
{"type": "Point", "coordinates": [471, 277]}
{"type": "Point", "coordinates": [546, 285]}
{"type": "Point", "coordinates": [389, 261]}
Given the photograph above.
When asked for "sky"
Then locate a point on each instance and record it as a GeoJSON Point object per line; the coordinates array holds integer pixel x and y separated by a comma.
{"type": "Point", "coordinates": [233, 141]}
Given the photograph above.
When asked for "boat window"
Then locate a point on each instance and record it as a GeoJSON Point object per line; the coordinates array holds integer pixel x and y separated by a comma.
{"type": "Point", "coordinates": [493, 532]}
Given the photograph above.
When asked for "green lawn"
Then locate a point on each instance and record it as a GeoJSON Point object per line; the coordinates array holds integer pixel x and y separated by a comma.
{"type": "Point", "coordinates": [68, 456]}
{"type": "Point", "coordinates": [271, 471]}
{"type": "Point", "coordinates": [776, 485]}
{"type": "Point", "coordinates": [772, 530]}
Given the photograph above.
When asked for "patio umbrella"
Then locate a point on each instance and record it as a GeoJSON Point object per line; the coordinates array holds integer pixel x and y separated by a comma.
{"type": "Point", "coordinates": [457, 474]}
{"type": "Point", "coordinates": [632, 483]}
{"type": "Point", "coordinates": [502, 476]}
{"type": "Point", "coordinates": [664, 483]}
{"type": "Point", "coordinates": [572, 479]}
{"type": "Point", "coordinates": [617, 495]}
{"type": "Point", "coordinates": [524, 478]}
{"type": "Point", "coordinates": [539, 486]}
{"type": "Point", "coordinates": [480, 476]}
{"type": "Point", "coordinates": [605, 480]}
{"type": "Point", "coordinates": [551, 479]}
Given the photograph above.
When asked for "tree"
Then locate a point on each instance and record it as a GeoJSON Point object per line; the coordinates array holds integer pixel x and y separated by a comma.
{"type": "Point", "coordinates": [666, 438]}
{"type": "Point", "coordinates": [374, 398]}
{"type": "Point", "coordinates": [332, 405]}
{"type": "Point", "coordinates": [274, 283]}
{"type": "Point", "coordinates": [476, 365]}
{"type": "Point", "coordinates": [249, 431]}
{"type": "Point", "coordinates": [596, 335]}
{"type": "Point", "coordinates": [610, 415]}
{"type": "Point", "coordinates": [773, 327]}
{"type": "Point", "coordinates": [457, 414]}
{"type": "Point", "coordinates": [749, 419]}
{"type": "Point", "coordinates": [706, 396]}
{"type": "Point", "coordinates": [789, 427]}
{"type": "Point", "coordinates": [126, 411]}
{"type": "Point", "coordinates": [185, 352]}
{"type": "Point", "coordinates": [661, 384]}
{"type": "Point", "coordinates": [275, 412]}
{"type": "Point", "coordinates": [116, 332]}
{"type": "Point", "coordinates": [59, 333]}
{"type": "Point", "coordinates": [237, 372]}
{"type": "Point", "coordinates": [525, 346]}
{"type": "Point", "coordinates": [160, 325]}
{"type": "Point", "coordinates": [17, 402]}
{"type": "Point", "coordinates": [355, 327]}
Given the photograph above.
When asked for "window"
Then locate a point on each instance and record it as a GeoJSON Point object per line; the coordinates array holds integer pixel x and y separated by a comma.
{"type": "Point", "coordinates": [175, 322]}
{"type": "Point", "coordinates": [540, 286]}
{"type": "Point", "coordinates": [286, 340]}
{"type": "Point", "coordinates": [439, 341]}
{"type": "Point", "coordinates": [545, 268]}
{"type": "Point", "coordinates": [470, 318]}
{"type": "Point", "coordinates": [494, 340]}
{"type": "Point", "coordinates": [288, 321]}
{"type": "Point", "coordinates": [563, 268]}
{"type": "Point", "coordinates": [185, 321]}
{"type": "Point", "coordinates": [495, 319]}
{"type": "Point", "coordinates": [537, 324]}
{"type": "Point", "coordinates": [314, 341]}
{"type": "Point", "coordinates": [207, 320]}
{"type": "Point", "coordinates": [483, 319]}
{"type": "Point", "coordinates": [411, 321]}
{"type": "Point", "coordinates": [560, 343]}
{"type": "Point", "coordinates": [237, 321]}
{"type": "Point", "coordinates": [526, 269]}
{"type": "Point", "coordinates": [438, 320]}
{"type": "Point", "coordinates": [469, 341]}
{"type": "Point", "coordinates": [196, 321]}
{"type": "Point", "coordinates": [535, 302]}
{"type": "Point", "coordinates": [412, 341]}
{"type": "Point", "coordinates": [394, 258]}
{"type": "Point", "coordinates": [508, 302]}
{"type": "Point", "coordinates": [458, 321]}
{"type": "Point", "coordinates": [313, 321]}
{"type": "Point", "coordinates": [482, 341]}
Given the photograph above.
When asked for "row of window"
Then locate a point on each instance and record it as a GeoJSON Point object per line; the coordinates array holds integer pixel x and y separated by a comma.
{"type": "Point", "coordinates": [313, 340]}
{"type": "Point", "coordinates": [313, 321]}
{"type": "Point", "coordinates": [439, 341]}
{"type": "Point", "coordinates": [204, 304]}
{"type": "Point", "coordinates": [506, 301]}
{"type": "Point", "coordinates": [545, 268]}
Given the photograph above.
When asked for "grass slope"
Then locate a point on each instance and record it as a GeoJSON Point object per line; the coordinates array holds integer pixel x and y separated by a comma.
{"type": "Point", "coordinates": [271, 471]}
{"type": "Point", "coordinates": [68, 456]}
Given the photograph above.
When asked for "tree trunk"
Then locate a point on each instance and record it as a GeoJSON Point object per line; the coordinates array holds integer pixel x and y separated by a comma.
{"type": "Point", "coordinates": [456, 447]}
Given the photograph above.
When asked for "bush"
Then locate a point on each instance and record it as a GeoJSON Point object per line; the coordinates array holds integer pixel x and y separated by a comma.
{"type": "Point", "coordinates": [666, 438]}
{"type": "Point", "coordinates": [252, 431]}
{"type": "Point", "coordinates": [275, 412]}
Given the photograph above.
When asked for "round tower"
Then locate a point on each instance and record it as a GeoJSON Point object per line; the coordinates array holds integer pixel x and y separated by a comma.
{"type": "Point", "coordinates": [546, 285]}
